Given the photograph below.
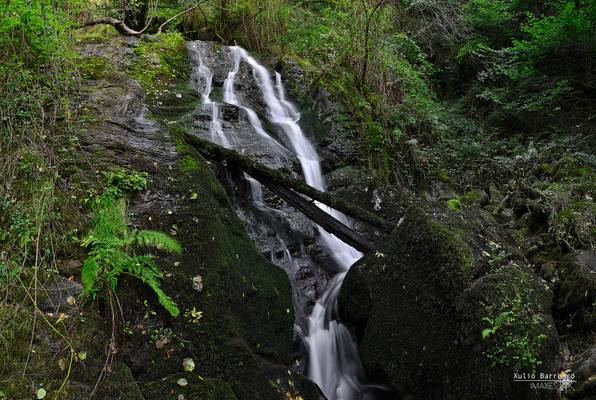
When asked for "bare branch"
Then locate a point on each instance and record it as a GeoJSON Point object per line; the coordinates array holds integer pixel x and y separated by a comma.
{"type": "Point", "coordinates": [178, 15]}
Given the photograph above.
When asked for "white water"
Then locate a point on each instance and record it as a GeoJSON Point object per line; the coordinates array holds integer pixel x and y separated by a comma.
{"type": "Point", "coordinates": [334, 363]}
{"type": "Point", "coordinates": [230, 97]}
{"type": "Point", "coordinates": [202, 79]}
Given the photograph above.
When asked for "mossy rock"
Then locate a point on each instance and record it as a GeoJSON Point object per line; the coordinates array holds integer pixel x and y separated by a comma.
{"type": "Point", "coordinates": [96, 34]}
{"type": "Point", "coordinates": [526, 341]}
{"type": "Point", "coordinates": [95, 67]}
{"type": "Point", "coordinates": [196, 388]}
{"type": "Point", "coordinates": [49, 357]}
{"type": "Point", "coordinates": [575, 291]}
{"type": "Point", "coordinates": [418, 315]}
{"type": "Point", "coordinates": [160, 59]}
{"type": "Point", "coordinates": [399, 301]}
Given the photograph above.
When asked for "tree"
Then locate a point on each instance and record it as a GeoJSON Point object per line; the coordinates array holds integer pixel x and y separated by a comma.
{"type": "Point", "coordinates": [370, 11]}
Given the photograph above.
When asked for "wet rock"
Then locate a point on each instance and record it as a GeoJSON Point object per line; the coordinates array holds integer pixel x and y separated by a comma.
{"type": "Point", "coordinates": [70, 267]}
{"type": "Point", "coordinates": [194, 389]}
{"type": "Point", "coordinates": [244, 299]}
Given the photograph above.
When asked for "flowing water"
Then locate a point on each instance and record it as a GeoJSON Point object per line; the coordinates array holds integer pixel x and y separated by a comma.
{"type": "Point", "coordinates": [333, 360]}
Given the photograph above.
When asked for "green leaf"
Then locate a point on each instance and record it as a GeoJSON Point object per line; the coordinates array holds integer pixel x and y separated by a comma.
{"type": "Point", "coordinates": [157, 239]}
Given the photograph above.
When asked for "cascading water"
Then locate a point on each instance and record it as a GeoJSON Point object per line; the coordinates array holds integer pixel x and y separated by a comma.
{"type": "Point", "coordinates": [334, 363]}
{"type": "Point", "coordinates": [202, 79]}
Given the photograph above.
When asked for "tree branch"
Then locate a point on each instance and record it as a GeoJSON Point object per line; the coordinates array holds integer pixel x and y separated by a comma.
{"type": "Point", "coordinates": [179, 14]}
{"type": "Point", "coordinates": [116, 23]}
{"type": "Point", "coordinates": [125, 30]}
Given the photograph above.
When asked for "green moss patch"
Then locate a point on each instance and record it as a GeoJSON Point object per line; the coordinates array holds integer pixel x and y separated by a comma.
{"type": "Point", "coordinates": [188, 164]}
{"type": "Point", "coordinates": [95, 67]}
{"type": "Point", "coordinates": [160, 58]}
{"type": "Point", "coordinates": [96, 34]}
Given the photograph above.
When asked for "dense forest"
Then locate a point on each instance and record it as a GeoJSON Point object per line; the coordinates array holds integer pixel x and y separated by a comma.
{"type": "Point", "coordinates": [167, 216]}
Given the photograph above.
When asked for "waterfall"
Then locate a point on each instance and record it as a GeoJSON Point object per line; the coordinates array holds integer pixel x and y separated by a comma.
{"type": "Point", "coordinates": [202, 80]}
{"type": "Point", "coordinates": [334, 362]}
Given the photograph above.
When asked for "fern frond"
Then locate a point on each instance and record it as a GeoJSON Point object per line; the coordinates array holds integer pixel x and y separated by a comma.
{"type": "Point", "coordinates": [158, 240]}
{"type": "Point", "coordinates": [145, 269]}
{"type": "Point", "coordinates": [166, 301]}
{"type": "Point", "coordinates": [110, 218]}
{"type": "Point", "coordinates": [89, 275]}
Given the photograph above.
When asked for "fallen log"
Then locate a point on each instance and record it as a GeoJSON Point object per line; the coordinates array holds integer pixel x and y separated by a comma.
{"type": "Point", "coordinates": [326, 221]}
{"type": "Point", "coordinates": [291, 190]}
{"type": "Point", "coordinates": [120, 26]}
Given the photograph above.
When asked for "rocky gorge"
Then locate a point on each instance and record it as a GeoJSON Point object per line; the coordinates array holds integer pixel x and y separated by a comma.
{"type": "Point", "coordinates": [446, 306]}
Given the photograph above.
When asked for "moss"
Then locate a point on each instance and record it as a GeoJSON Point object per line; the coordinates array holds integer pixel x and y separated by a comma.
{"type": "Point", "coordinates": [49, 357]}
{"type": "Point", "coordinates": [515, 306]}
{"type": "Point", "coordinates": [513, 296]}
{"type": "Point", "coordinates": [471, 196]}
{"type": "Point", "coordinates": [14, 347]}
{"type": "Point", "coordinates": [238, 282]}
{"type": "Point", "coordinates": [415, 301]}
{"type": "Point", "coordinates": [198, 388]}
{"type": "Point", "coordinates": [575, 291]}
{"type": "Point", "coordinates": [408, 289]}
{"type": "Point", "coordinates": [576, 224]}
{"type": "Point", "coordinates": [570, 167]}
{"type": "Point", "coordinates": [96, 34]}
{"type": "Point", "coordinates": [188, 164]}
{"type": "Point", "coordinates": [160, 58]}
{"type": "Point", "coordinates": [95, 67]}
{"type": "Point", "coordinates": [454, 204]}
{"type": "Point", "coordinates": [442, 176]}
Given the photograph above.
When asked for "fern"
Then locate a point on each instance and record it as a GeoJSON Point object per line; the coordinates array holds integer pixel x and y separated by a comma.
{"type": "Point", "coordinates": [111, 254]}
{"type": "Point", "coordinates": [89, 275]}
{"type": "Point", "coordinates": [155, 239]}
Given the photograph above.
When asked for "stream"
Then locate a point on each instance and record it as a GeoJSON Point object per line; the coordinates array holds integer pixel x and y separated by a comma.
{"type": "Point", "coordinates": [244, 107]}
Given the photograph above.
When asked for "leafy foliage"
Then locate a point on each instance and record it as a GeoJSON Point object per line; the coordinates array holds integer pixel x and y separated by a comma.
{"type": "Point", "coordinates": [531, 59]}
{"type": "Point", "coordinates": [111, 243]}
{"type": "Point", "coordinates": [518, 345]}
{"type": "Point", "coordinates": [124, 182]}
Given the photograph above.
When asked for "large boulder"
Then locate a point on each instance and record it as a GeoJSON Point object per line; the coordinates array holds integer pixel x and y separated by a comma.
{"type": "Point", "coordinates": [575, 290]}
{"type": "Point", "coordinates": [431, 331]}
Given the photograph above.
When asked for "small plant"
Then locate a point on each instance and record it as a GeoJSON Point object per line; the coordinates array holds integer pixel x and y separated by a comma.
{"type": "Point", "coordinates": [454, 204]}
{"type": "Point", "coordinates": [164, 334]}
{"type": "Point", "coordinates": [193, 316]}
{"type": "Point", "coordinates": [497, 256]}
{"type": "Point", "coordinates": [149, 311]}
{"type": "Point", "coordinates": [188, 164]}
{"type": "Point", "coordinates": [112, 242]}
{"type": "Point", "coordinates": [517, 342]}
{"type": "Point", "coordinates": [122, 182]}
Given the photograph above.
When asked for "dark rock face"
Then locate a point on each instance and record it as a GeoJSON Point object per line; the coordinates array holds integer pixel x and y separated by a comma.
{"type": "Point", "coordinates": [583, 372]}
{"type": "Point", "coordinates": [575, 291]}
{"type": "Point", "coordinates": [418, 316]}
{"type": "Point", "coordinates": [243, 339]}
